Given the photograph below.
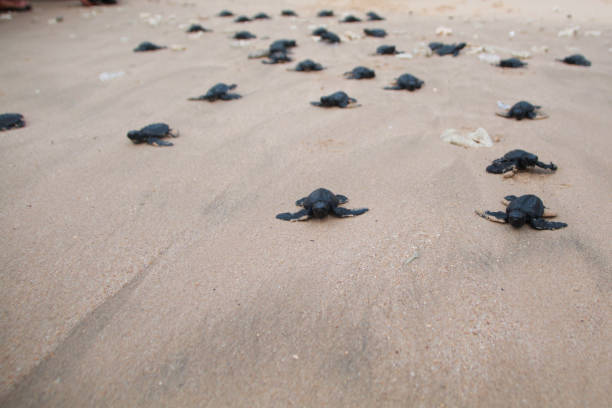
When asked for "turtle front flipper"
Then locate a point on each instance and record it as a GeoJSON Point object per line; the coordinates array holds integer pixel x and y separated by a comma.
{"type": "Point", "coordinates": [298, 216]}
{"type": "Point", "coordinates": [550, 166]}
{"type": "Point", "coordinates": [509, 198]}
{"type": "Point", "coordinates": [501, 166]}
{"type": "Point", "coordinates": [341, 199]}
{"type": "Point", "coordinates": [495, 216]}
{"type": "Point", "coordinates": [542, 224]}
{"type": "Point", "coordinates": [345, 212]}
{"type": "Point", "coordinates": [154, 141]}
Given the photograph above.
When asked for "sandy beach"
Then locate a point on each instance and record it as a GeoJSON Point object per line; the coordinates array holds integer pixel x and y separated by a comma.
{"type": "Point", "coordinates": [132, 275]}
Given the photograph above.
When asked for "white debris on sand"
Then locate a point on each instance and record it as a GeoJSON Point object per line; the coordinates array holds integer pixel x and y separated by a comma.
{"type": "Point", "coordinates": [569, 32]}
{"type": "Point", "coordinates": [444, 31]}
{"type": "Point", "coordinates": [490, 58]}
{"type": "Point", "coordinates": [107, 76]}
{"type": "Point", "coordinates": [478, 138]}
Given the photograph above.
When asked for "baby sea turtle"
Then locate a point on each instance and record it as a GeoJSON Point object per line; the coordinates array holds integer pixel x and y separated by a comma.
{"type": "Point", "coordinates": [288, 13]}
{"type": "Point", "coordinates": [242, 19]}
{"type": "Point", "coordinates": [225, 13]}
{"type": "Point", "coordinates": [350, 19]}
{"type": "Point", "coordinates": [339, 99]}
{"type": "Point", "coordinates": [375, 32]}
{"type": "Point", "coordinates": [524, 209]}
{"type": "Point", "coordinates": [11, 121]}
{"type": "Point", "coordinates": [325, 13]}
{"type": "Point", "coordinates": [278, 51]}
{"type": "Point", "coordinates": [195, 28]}
{"type": "Point", "coordinates": [523, 110]}
{"type": "Point", "coordinates": [372, 16]}
{"type": "Point", "coordinates": [517, 160]}
{"type": "Point", "coordinates": [148, 46]}
{"type": "Point", "coordinates": [261, 16]}
{"type": "Point", "coordinates": [511, 63]}
{"type": "Point", "coordinates": [446, 49]}
{"type": "Point", "coordinates": [219, 91]}
{"type": "Point", "coordinates": [244, 35]}
{"type": "Point", "coordinates": [406, 81]}
{"type": "Point", "coordinates": [308, 65]}
{"type": "Point", "coordinates": [576, 59]}
{"type": "Point", "coordinates": [360, 73]}
{"type": "Point", "coordinates": [319, 204]}
{"type": "Point", "coordinates": [330, 37]}
{"type": "Point", "coordinates": [152, 134]}
{"type": "Point", "coordinates": [317, 32]}
{"type": "Point", "coordinates": [387, 50]}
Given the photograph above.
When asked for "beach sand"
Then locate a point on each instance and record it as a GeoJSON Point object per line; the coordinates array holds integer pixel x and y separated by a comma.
{"type": "Point", "coordinates": [141, 276]}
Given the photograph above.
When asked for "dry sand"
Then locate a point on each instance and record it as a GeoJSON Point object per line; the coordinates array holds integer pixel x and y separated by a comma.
{"type": "Point", "coordinates": [141, 276]}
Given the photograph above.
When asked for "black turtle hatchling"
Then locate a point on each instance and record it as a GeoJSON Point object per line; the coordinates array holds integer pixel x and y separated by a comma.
{"type": "Point", "coordinates": [511, 63]}
{"type": "Point", "coordinates": [288, 13]}
{"type": "Point", "coordinates": [339, 99]}
{"type": "Point", "coordinates": [360, 73]}
{"type": "Point", "coordinates": [517, 160]}
{"type": "Point", "coordinates": [11, 121]}
{"type": "Point", "coordinates": [524, 209]}
{"type": "Point", "coordinates": [387, 50]}
{"type": "Point", "coordinates": [325, 13]}
{"type": "Point", "coordinates": [576, 59]}
{"type": "Point", "coordinates": [523, 110]}
{"type": "Point", "coordinates": [350, 19]}
{"type": "Point", "coordinates": [308, 65]}
{"type": "Point", "coordinates": [330, 37]}
{"type": "Point", "coordinates": [242, 19]}
{"type": "Point", "coordinates": [372, 16]}
{"type": "Point", "coordinates": [148, 46]}
{"type": "Point", "coordinates": [195, 28]}
{"type": "Point", "coordinates": [319, 204]}
{"type": "Point", "coordinates": [375, 32]}
{"type": "Point", "coordinates": [261, 16]}
{"type": "Point", "coordinates": [406, 81]}
{"type": "Point", "coordinates": [225, 13]}
{"type": "Point", "coordinates": [244, 35]}
{"type": "Point", "coordinates": [219, 91]}
{"type": "Point", "coordinates": [446, 49]}
{"type": "Point", "coordinates": [152, 134]}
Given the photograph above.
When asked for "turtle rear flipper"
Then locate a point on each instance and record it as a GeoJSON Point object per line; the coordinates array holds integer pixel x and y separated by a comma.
{"type": "Point", "coordinates": [298, 216]}
{"type": "Point", "coordinates": [542, 224]}
{"type": "Point", "coordinates": [229, 97]}
{"type": "Point", "coordinates": [344, 212]}
{"type": "Point", "coordinates": [154, 141]}
{"type": "Point", "coordinates": [497, 216]}
{"type": "Point", "coordinates": [341, 199]}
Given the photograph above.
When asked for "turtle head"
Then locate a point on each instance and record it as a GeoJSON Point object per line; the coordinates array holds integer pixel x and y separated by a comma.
{"type": "Point", "coordinates": [134, 136]}
{"type": "Point", "coordinates": [517, 218]}
{"type": "Point", "coordinates": [320, 209]}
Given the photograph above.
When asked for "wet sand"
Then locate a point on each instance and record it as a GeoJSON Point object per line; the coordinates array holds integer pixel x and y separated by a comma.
{"type": "Point", "coordinates": [142, 276]}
